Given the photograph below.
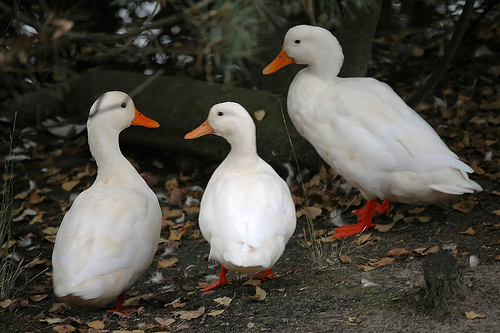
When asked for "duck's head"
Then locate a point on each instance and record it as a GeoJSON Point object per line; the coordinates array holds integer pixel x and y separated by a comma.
{"type": "Point", "coordinates": [228, 119]}
{"type": "Point", "coordinates": [116, 109]}
{"type": "Point", "coordinates": [308, 45]}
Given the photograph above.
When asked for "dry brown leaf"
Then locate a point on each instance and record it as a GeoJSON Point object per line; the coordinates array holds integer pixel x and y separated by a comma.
{"type": "Point", "coordinates": [216, 312]}
{"type": "Point", "coordinates": [50, 230]}
{"type": "Point", "coordinates": [50, 238]}
{"type": "Point", "coordinates": [38, 218]}
{"type": "Point", "coordinates": [10, 244]}
{"type": "Point", "coordinates": [252, 282]}
{"type": "Point", "coordinates": [400, 251]}
{"type": "Point", "coordinates": [188, 315]}
{"type": "Point", "coordinates": [36, 262]}
{"type": "Point", "coordinates": [135, 301]}
{"type": "Point", "coordinates": [61, 27]}
{"type": "Point", "coordinates": [398, 217]}
{"type": "Point", "coordinates": [68, 186]}
{"type": "Point", "coordinates": [362, 239]}
{"type": "Point", "coordinates": [171, 184]}
{"type": "Point", "coordinates": [472, 315]}
{"type": "Point", "coordinates": [171, 214]}
{"type": "Point", "coordinates": [416, 211]}
{"type": "Point", "coordinates": [177, 233]}
{"type": "Point", "coordinates": [372, 265]}
{"type": "Point", "coordinates": [313, 212]}
{"type": "Point", "coordinates": [497, 257]}
{"type": "Point", "coordinates": [260, 294]}
{"type": "Point", "coordinates": [164, 263]}
{"type": "Point", "coordinates": [96, 324]}
{"type": "Point", "coordinates": [59, 308]}
{"type": "Point", "coordinates": [165, 322]}
{"type": "Point", "coordinates": [469, 231]}
{"type": "Point", "coordinates": [67, 328]}
{"type": "Point", "coordinates": [38, 297]}
{"type": "Point", "coordinates": [496, 212]}
{"type": "Point", "coordinates": [423, 219]}
{"type": "Point", "coordinates": [465, 205]}
{"type": "Point", "coordinates": [345, 259]}
{"type": "Point", "coordinates": [434, 249]}
{"type": "Point", "coordinates": [259, 114]}
{"type": "Point", "coordinates": [35, 198]}
{"type": "Point", "coordinates": [384, 227]}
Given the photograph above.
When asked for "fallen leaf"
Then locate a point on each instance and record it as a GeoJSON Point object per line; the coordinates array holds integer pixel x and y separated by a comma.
{"type": "Point", "coordinates": [465, 205]}
{"type": "Point", "coordinates": [372, 265]}
{"type": "Point", "coordinates": [135, 301]}
{"type": "Point", "coordinates": [61, 27]}
{"type": "Point", "coordinates": [50, 230]}
{"type": "Point", "coordinates": [38, 218]}
{"type": "Point", "coordinates": [59, 308]}
{"type": "Point", "coordinates": [384, 227]}
{"type": "Point", "coordinates": [36, 262]}
{"type": "Point", "coordinates": [423, 219]}
{"type": "Point", "coordinates": [64, 328]}
{"type": "Point", "coordinates": [259, 114]}
{"type": "Point", "coordinates": [252, 282]}
{"type": "Point", "coordinates": [313, 212]}
{"type": "Point", "coordinates": [176, 303]}
{"type": "Point", "coordinates": [260, 294]}
{"type": "Point", "coordinates": [345, 259]}
{"type": "Point", "coordinates": [38, 297]}
{"type": "Point", "coordinates": [400, 251]}
{"type": "Point", "coordinates": [68, 186]}
{"type": "Point", "coordinates": [96, 324]}
{"type": "Point", "coordinates": [188, 315]}
{"type": "Point", "coordinates": [216, 312]}
{"type": "Point", "coordinates": [164, 263]}
{"type": "Point", "coordinates": [469, 231]}
{"type": "Point", "coordinates": [496, 212]}
{"type": "Point", "coordinates": [165, 322]}
{"type": "Point", "coordinates": [497, 257]}
{"type": "Point", "coordinates": [223, 300]}
{"type": "Point", "coordinates": [361, 239]}
{"type": "Point", "coordinates": [472, 315]}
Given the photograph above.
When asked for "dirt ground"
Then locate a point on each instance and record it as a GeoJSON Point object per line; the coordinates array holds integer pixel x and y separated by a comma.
{"type": "Point", "coordinates": [373, 283]}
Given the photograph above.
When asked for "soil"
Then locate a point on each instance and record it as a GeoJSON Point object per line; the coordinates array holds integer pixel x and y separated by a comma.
{"type": "Point", "coordinates": [370, 283]}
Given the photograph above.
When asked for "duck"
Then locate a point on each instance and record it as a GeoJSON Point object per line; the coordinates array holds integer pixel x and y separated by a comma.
{"type": "Point", "coordinates": [365, 131]}
{"type": "Point", "coordinates": [110, 234]}
{"type": "Point", "coordinates": [247, 214]}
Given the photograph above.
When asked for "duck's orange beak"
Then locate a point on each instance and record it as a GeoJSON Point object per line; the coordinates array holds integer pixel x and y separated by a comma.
{"type": "Point", "coordinates": [281, 61]}
{"type": "Point", "coordinates": [142, 120]}
{"type": "Point", "coordinates": [201, 130]}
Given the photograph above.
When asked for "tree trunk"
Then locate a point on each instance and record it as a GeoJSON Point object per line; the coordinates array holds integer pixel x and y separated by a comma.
{"type": "Point", "coordinates": [356, 36]}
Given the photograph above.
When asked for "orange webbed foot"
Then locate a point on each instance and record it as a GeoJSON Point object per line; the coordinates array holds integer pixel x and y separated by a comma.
{"type": "Point", "coordinates": [221, 282]}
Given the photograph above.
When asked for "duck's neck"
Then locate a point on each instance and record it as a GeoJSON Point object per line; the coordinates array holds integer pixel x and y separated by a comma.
{"type": "Point", "coordinates": [113, 168]}
{"type": "Point", "coordinates": [243, 154]}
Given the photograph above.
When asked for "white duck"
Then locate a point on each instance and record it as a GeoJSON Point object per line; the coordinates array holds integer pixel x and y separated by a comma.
{"type": "Point", "coordinates": [247, 213]}
{"type": "Point", "coordinates": [109, 236]}
{"type": "Point", "coordinates": [365, 131]}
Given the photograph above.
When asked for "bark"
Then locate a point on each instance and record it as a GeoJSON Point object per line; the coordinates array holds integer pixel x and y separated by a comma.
{"type": "Point", "coordinates": [179, 105]}
{"type": "Point", "coordinates": [356, 36]}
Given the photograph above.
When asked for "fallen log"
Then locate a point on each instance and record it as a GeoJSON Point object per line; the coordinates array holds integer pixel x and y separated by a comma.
{"type": "Point", "coordinates": [179, 105]}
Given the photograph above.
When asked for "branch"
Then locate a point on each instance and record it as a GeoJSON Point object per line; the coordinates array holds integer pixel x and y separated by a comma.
{"type": "Point", "coordinates": [451, 50]}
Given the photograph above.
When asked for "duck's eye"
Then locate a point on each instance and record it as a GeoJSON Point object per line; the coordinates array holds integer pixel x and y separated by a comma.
{"type": "Point", "coordinates": [220, 113]}
{"type": "Point", "coordinates": [123, 105]}
{"type": "Point", "coordinates": [297, 41]}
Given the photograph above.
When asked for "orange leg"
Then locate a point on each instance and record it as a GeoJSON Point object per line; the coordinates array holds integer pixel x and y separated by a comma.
{"type": "Point", "coordinates": [119, 307]}
{"type": "Point", "coordinates": [222, 280]}
{"type": "Point", "coordinates": [364, 215]}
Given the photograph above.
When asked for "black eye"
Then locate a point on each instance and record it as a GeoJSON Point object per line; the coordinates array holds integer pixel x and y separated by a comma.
{"type": "Point", "coordinates": [297, 41]}
{"type": "Point", "coordinates": [123, 105]}
{"type": "Point", "coordinates": [220, 113]}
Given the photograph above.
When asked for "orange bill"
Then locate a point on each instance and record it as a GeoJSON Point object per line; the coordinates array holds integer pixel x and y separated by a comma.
{"type": "Point", "coordinates": [201, 130]}
{"type": "Point", "coordinates": [142, 120]}
{"type": "Point", "coordinates": [281, 61]}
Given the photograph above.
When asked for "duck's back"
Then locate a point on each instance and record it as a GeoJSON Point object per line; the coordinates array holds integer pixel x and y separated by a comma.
{"type": "Point", "coordinates": [247, 219]}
